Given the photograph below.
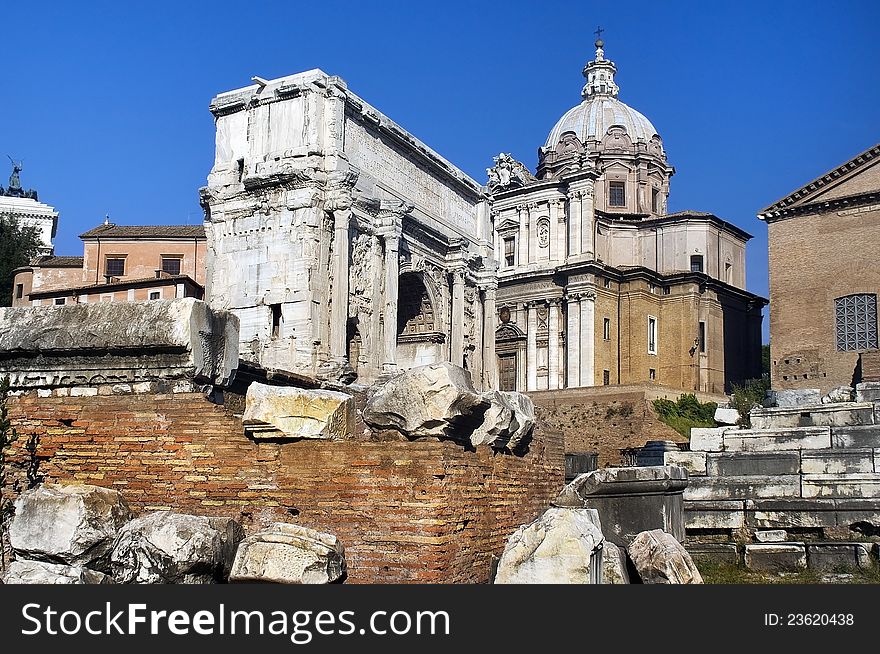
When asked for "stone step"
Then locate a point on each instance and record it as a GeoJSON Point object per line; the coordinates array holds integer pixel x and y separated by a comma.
{"type": "Point", "coordinates": [865, 485]}
{"type": "Point", "coordinates": [738, 464]}
{"type": "Point", "coordinates": [717, 514]}
{"type": "Point", "coordinates": [856, 436]}
{"type": "Point", "coordinates": [825, 415]}
{"type": "Point", "coordinates": [715, 552]}
{"type": "Point", "coordinates": [773, 440]}
{"type": "Point", "coordinates": [775, 557]}
{"type": "Point", "coordinates": [743, 487]}
{"type": "Point", "coordinates": [834, 556]}
{"type": "Point", "coordinates": [844, 461]}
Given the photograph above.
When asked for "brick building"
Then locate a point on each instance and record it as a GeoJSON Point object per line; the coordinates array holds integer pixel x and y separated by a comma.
{"type": "Point", "coordinates": [120, 263]}
{"type": "Point", "coordinates": [824, 278]}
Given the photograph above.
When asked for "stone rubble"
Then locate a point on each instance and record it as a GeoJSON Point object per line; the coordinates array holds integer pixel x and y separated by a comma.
{"type": "Point", "coordinates": [437, 400]}
{"type": "Point", "coordinates": [560, 547]}
{"type": "Point", "coordinates": [175, 548]}
{"type": "Point", "coordinates": [24, 571]}
{"type": "Point", "coordinates": [507, 422]}
{"type": "Point", "coordinates": [660, 559]}
{"type": "Point", "coordinates": [71, 524]}
{"type": "Point", "coordinates": [839, 394]}
{"type": "Point", "coordinates": [285, 412]}
{"type": "Point", "coordinates": [289, 554]}
{"type": "Point", "coordinates": [725, 416]}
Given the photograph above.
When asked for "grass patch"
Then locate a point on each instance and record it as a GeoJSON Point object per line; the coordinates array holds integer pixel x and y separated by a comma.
{"type": "Point", "coordinates": [685, 413]}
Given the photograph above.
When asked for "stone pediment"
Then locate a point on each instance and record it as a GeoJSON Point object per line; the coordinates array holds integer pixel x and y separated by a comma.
{"type": "Point", "coordinates": [860, 175]}
{"type": "Point", "coordinates": [509, 332]}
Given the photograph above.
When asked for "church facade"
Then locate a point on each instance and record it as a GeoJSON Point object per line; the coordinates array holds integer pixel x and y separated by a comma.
{"type": "Point", "coordinates": [349, 249]}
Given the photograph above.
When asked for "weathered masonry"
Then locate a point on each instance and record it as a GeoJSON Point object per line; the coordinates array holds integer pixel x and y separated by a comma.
{"type": "Point", "coordinates": [344, 245]}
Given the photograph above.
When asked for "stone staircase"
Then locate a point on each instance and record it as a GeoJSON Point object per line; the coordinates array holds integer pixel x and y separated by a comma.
{"type": "Point", "coordinates": [812, 471]}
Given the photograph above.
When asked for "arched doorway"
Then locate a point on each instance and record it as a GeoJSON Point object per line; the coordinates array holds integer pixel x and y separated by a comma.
{"type": "Point", "coordinates": [419, 341]}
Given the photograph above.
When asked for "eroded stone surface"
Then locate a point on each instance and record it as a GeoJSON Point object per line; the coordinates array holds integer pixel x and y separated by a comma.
{"type": "Point", "coordinates": [68, 524]}
{"type": "Point", "coordinates": [174, 548]}
{"type": "Point", "coordinates": [660, 559]}
{"type": "Point", "coordinates": [24, 571]}
{"type": "Point", "coordinates": [289, 554]}
{"type": "Point", "coordinates": [284, 412]}
{"type": "Point", "coordinates": [509, 419]}
{"type": "Point", "coordinates": [725, 416]}
{"type": "Point", "coordinates": [433, 400]}
{"type": "Point", "coordinates": [557, 548]}
{"type": "Point", "coordinates": [614, 564]}
{"type": "Point", "coordinates": [839, 394]}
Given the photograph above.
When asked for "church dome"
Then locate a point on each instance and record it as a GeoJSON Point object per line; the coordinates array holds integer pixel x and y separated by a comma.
{"type": "Point", "coordinates": [600, 109]}
{"type": "Point", "coordinates": [592, 118]}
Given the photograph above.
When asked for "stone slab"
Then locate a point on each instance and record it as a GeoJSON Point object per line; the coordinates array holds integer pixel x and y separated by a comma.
{"type": "Point", "coordinates": [718, 514]}
{"type": "Point", "coordinates": [826, 462]}
{"type": "Point", "coordinates": [724, 416]}
{"type": "Point", "coordinates": [791, 513]}
{"type": "Point", "coordinates": [773, 440]}
{"type": "Point", "coordinates": [693, 462]}
{"type": "Point", "coordinates": [707, 439]}
{"type": "Point", "coordinates": [796, 397]}
{"type": "Point", "coordinates": [776, 557]}
{"type": "Point", "coordinates": [737, 464]}
{"type": "Point", "coordinates": [868, 392]}
{"type": "Point", "coordinates": [277, 412]}
{"type": "Point", "coordinates": [743, 487]}
{"type": "Point", "coordinates": [715, 552]}
{"type": "Point", "coordinates": [836, 556]}
{"type": "Point", "coordinates": [841, 485]}
{"type": "Point", "coordinates": [771, 536]}
{"type": "Point", "coordinates": [856, 436]}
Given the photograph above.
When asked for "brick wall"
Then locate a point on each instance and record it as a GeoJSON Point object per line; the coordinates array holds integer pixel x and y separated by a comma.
{"type": "Point", "coordinates": [423, 511]}
{"type": "Point", "coordinates": [606, 419]}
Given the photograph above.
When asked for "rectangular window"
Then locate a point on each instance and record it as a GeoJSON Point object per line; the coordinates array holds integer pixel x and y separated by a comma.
{"type": "Point", "coordinates": [606, 329]}
{"type": "Point", "coordinates": [276, 320]}
{"type": "Point", "coordinates": [106, 298]}
{"type": "Point", "coordinates": [616, 194]}
{"type": "Point", "coordinates": [655, 200]}
{"type": "Point", "coordinates": [60, 301]}
{"type": "Point", "coordinates": [665, 290]}
{"type": "Point", "coordinates": [19, 291]}
{"type": "Point", "coordinates": [115, 267]}
{"type": "Point", "coordinates": [510, 252]}
{"type": "Point", "coordinates": [606, 283]}
{"type": "Point", "coordinates": [728, 273]}
{"type": "Point", "coordinates": [155, 295]}
{"type": "Point", "coordinates": [697, 263]}
{"type": "Point", "coordinates": [606, 377]}
{"type": "Point", "coordinates": [652, 374]}
{"type": "Point", "coordinates": [856, 322]}
{"type": "Point", "coordinates": [171, 265]}
{"type": "Point", "coordinates": [702, 337]}
{"type": "Point", "coordinates": [652, 335]}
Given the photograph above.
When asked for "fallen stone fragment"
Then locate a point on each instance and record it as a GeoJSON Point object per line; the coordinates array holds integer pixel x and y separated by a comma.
{"type": "Point", "coordinates": [726, 416]}
{"type": "Point", "coordinates": [68, 524]}
{"type": "Point", "coordinates": [839, 394]}
{"type": "Point", "coordinates": [285, 412]}
{"type": "Point", "coordinates": [614, 570]}
{"type": "Point", "coordinates": [434, 400]}
{"type": "Point", "coordinates": [25, 571]}
{"type": "Point", "coordinates": [289, 554]}
{"type": "Point", "coordinates": [660, 559]}
{"type": "Point", "coordinates": [562, 546]}
{"type": "Point", "coordinates": [174, 548]}
{"type": "Point", "coordinates": [509, 419]}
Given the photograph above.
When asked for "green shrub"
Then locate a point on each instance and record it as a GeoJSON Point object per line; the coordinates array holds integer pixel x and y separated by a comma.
{"type": "Point", "coordinates": [686, 412]}
{"type": "Point", "coordinates": [746, 397]}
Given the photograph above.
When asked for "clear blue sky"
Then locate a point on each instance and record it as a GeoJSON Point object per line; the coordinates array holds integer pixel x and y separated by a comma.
{"type": "Point", "coordinates": [107, 103]}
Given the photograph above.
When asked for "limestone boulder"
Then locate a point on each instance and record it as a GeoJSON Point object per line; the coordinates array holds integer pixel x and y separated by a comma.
{"type": "Point", "coordinates": [509, 420]}
{"type": "Point", "coordinates": [284, 412]}
{"type": "Point", "coordinates": [175, 548]}
{"type": "Point", "coordinates": [614, 564]}
{"type": "Point", "coordinates": [74, 525]}
{"type": "Point", "coordinates": [660, 559]}
{"type": "Point", "coordinates": [839, 394]}
{"type": "Point", "coordinates": [25, 571]}
{"type": "Point", "coordinates": [289, 554]}
{"type": "Point", "coordinates": [563, 546]}
{"type": "Point", "coordinates": [436, 400]}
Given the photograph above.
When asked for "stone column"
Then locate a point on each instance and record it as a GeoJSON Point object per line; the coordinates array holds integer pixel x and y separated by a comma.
{"type": "Point", "coordinates": [376, 344]}
{"type": "Point", "coordinates": [574, 224]}
{"type": "Point", "coordinates": [523, 237]}
{"type": "Point", "coordinates": [573, 341]}
{"type": "Point", "coordinates": [339, 299]}
{"type": "Point", "coordinates": [477, 370]}
{"type": "Point", "coordinates": [532, 210]}
{"type": "Point", "coordinates": [587, 345]}
{"type": "Point", "coordinates": [389, 361]}
{"type": "Point", "coordinates": [554, 228]}
{"type": "Point", "coordinates": [532, 348]}
{"type": "Point", "coordinates": [490, 367]}
{"type": "Point", "coordinates": [562, 230]}
{"type": "Point", "coordinates": [553, 344]}
{"type": "Point", "coordinates": [456, 355]}
{"type": "Point", "coordinates": [587, 222]}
